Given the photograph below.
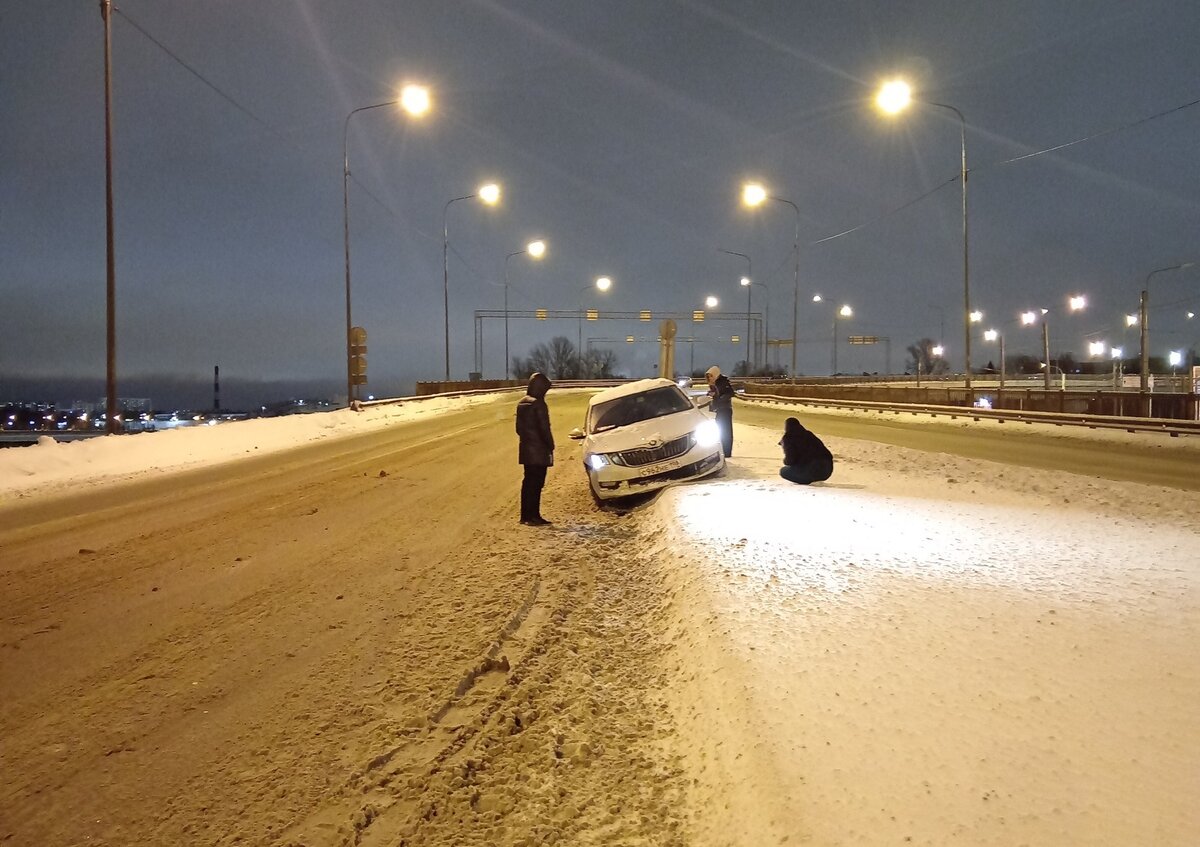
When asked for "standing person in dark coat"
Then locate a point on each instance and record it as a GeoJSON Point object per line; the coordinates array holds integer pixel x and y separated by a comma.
{"type": "Point", "coordinates": [536, 451]}
{"type": "Point", "coordinates": [805, 458]}
{"type": "Point", "coordinates": [720, 394]}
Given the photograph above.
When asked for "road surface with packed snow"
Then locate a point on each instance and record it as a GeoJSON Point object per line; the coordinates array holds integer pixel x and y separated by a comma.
{"type": "Point", "coordinates": [332, 630]}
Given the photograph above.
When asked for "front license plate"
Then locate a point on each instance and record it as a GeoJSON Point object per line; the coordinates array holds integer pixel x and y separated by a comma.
{"type": "Point", "coordinates": [659, 468]}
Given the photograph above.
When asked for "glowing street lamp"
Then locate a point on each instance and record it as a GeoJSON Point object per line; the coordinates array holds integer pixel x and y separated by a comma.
{"type": "Point", "coordinates": [1176, 359]}
{"type": "Point", "coordinates": [601, 284]}
{"type": "Point", "coordinates": [1097, 348]}
{"type": "Point", "coordinates": [844, 312]}
{"type": "Point", "coordinates": [414, 100]}
{"type": "Point", "coordinates": [535, 250]}
{"type": "Point", "coordinates": [753, 195]}
{"type": "Point", "coordinates": [489, 194]}
{"type": "Point", "coordinates": [938, 350]}
{"type": "Point", "coordinates": [894, 97]}
{"type": "Point", "coordinates": [996, 335]}
{"type": "Point", "coordinates": [711, 302]}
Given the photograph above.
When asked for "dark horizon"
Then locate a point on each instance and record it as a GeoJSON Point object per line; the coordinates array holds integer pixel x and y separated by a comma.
{"type": "Point", "coordinates": [177, 391]}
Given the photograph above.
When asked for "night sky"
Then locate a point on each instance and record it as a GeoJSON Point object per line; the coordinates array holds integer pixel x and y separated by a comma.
{"type": "Point", "coordinates": [621, 133]}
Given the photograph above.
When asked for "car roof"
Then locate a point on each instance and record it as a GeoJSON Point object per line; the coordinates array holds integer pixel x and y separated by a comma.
{"type": "Point", "coordinates": [636, 387]}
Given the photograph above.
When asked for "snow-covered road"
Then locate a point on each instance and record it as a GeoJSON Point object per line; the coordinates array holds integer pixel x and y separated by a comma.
{"type": "Point", "coordinates": [356, 643]}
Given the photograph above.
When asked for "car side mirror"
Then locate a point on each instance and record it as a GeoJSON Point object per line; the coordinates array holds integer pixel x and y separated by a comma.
{"type": "Point", "coordinates": [576, 433]}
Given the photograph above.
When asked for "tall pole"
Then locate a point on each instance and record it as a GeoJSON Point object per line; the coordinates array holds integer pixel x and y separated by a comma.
{"type": "Point", "coordinates": [796, 292]}
{"type": "Point", "coordinates": [1001, 361]}
{"type": "Point", "coordinates": [833, 361]}
{"type": "Point", "coordinates": [110, 404]}
{"type": "Point", "coordinates": [749, 363]}
{"type": "Point", "coordinates": [446, 274]}
{"type": "Point", "coordinates": [506, 258]}
{"type": "Point", "coordinates": [966, 262]}
{"type": "Point", "coordinates": [1046, 348]}
{"type": "Point", "coordinates": [1143, 315]}
{"type": "Point", "coordinates": [750, 277]}
{"type": "Point", "coordinates": [346, 238]}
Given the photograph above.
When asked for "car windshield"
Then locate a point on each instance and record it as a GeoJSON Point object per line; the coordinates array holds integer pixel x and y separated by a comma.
{"type": "Point", "coordinates": [624, 411]}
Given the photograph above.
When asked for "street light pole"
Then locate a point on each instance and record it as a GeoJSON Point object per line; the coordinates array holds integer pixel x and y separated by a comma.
{"type": "Point", "coordinates": [446, 273]}
{"type": "Point", "coordinates": [414, 99]}
{"type": "Point", "coordinates": [536, 249]}
{"type": "Point", "coordinates": [346, 238]}
{"type": "Point", "coordinates": [753, 194]}
{"type": "Point", "coordinates": [110, 403]}
{"type": "Point", "coordinates": [602, 283]}
{"type": "Point", "coordinates": [1143, 310]}
{"type": "Point", "coordinates": [1046, 349]}
{"type": "Point", "coordinates": [489, 194]}
{"type": "Point", "coordinates": [894, 97]}
{"type": "Point", "coordinates": [796, 292]}
{"type": "Point", "coordinates": [749, 283]}
{"type": "Point", "coordinates": [506, 258]}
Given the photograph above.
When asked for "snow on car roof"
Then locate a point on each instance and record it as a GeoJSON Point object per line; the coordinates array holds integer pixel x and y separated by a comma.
{"type": "Point", "coordinates": [628, 388]}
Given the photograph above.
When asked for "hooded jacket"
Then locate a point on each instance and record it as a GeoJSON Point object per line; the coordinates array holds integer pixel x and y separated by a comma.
{"type": "Point", "coordinates": [533, 424]}
{"type": "Point", "coordinates": [800, 446]}
{"type": "Point", "coordinates": [721, 393]}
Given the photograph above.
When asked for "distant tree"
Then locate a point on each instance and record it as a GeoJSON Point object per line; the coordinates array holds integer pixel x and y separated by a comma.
{"type": "Point", "coordinates": [922, 360]}
{"type": "Point", "coordinates": [598, 364]}
{"type": "Point", "coordinates": [562, 359]}
{"type": "Point", "coordinates": [522, 368]}
{"type": "Point", "coordinates": [1026, 364]}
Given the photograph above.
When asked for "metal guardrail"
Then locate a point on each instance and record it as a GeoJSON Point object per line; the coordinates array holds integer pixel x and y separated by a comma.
{"type": "Point", "coordinates": [1173, 428]}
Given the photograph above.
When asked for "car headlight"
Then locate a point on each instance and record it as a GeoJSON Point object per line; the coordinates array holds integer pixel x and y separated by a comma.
{"type": "Point", "coordinates": [596, 461]}
{"type": "Point", "coordinates": [707, 434]}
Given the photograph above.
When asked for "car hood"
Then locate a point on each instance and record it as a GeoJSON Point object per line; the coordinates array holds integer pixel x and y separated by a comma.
{"type": "Point", "coordinates": [642, 433]}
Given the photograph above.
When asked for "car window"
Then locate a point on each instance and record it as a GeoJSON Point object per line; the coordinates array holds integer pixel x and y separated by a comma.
{"type": "Point", "coordinates": [624, 411]}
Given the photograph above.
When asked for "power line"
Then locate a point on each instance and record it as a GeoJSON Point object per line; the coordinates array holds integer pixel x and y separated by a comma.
{"type": "Point", "coordinates": [1021, 158]}
{"type": "Point", "coordinates": [232, 101]}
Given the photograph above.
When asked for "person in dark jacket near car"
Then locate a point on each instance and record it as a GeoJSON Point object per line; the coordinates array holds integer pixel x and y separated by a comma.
{"type": "Point", "coordinates": [536, 450]}
{"type": "Point", "coordinates": [720, 400]}
{"type": "Point", "coordinates": [805, 458]}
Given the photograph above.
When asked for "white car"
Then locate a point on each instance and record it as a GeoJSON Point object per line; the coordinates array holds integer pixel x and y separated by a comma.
{"type": "Point", "coordinates": [644, 435]}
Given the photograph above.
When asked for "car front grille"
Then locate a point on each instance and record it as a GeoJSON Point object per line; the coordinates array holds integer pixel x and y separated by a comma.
{"type": "Point", "coordinates": [650, 455]}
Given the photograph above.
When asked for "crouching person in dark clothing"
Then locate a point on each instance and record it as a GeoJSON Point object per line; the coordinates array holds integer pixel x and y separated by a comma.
{"type": "Point", "coordinates": [536, 450]}
{"type": "Point", "coordinates": [805, 458]}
